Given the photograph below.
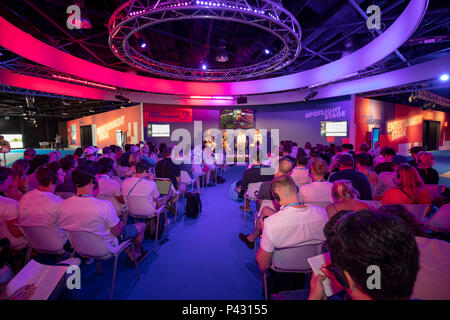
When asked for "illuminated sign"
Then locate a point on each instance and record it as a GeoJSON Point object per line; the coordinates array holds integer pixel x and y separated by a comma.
{"type": "Point", "coordinates": [103, 131]}
{"type": "Point", "coordinates": [328, 114]}
{"type": "Point", "coordinates": [397, 128]}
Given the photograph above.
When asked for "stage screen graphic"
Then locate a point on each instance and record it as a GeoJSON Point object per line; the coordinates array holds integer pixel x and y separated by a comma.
{"type": "Point", "coordinates": [15, 140]}
{"type": "Point", "coordinates": [333, 128]}
{"type": "Point", "coordinates": [236, 119]}
{"type": "Point", "coordinates": [158, 130]}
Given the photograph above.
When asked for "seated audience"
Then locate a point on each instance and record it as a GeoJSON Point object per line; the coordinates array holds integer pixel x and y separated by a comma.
{"type": "Point", "coordinates": [348, 148]}
{"type": "Point", "coordinates": [68, 164]}
{"type": "Point", "coordinates": [109, 189]}
{"type": "Point", "coordinates": [361, 239]}
{"type": "Point", "coordinates": [294, 224]}
{"type": "Point", "coordinates": [160, 153]}
{"type": "Point", "coordinates": [414, 152]}
{"type": "Point", "coordinates": [386, 165]}
{"type": "Point", "coordinates": [345, 197]}
{"type": "Point", "coordinates": [39, 207]}
{"type": "Point", "coordinates": [425, 168]}
{"type": "Point", "coordinates": [124, 157]}
{"type": "Point", "coordinates": [98, 216]}
{"type": "Point", "coordinates": [252, 175]}
{"type": "Point", "coordinates": [9, 212]}
{"type": "Point", "coordinates": [308, 147]}
{"type": "Point", "coordinates": [300, 174]}
{"type": "Point", "coordinates": [106, 152]}
{"type": "Point", "coordinates": [440, 221]}
{"type": "Point", "coordinates": [54, 156]}
{"type": "Point", "coordinates": [294, 150]}
{"type": "Point", "coordinates": [346, 172]}
{"type": "Point", "coordinates": [145, 155]}
{"type": "Point", "coordinates": [265, 193]}
{"type": "Point", "coordinates": [287, 150]}
{"type": "Point", "coordinates": [165, 168]}
{"type": "Point", "coordinates": [388, 180]}
{"type": "Point", "coordinates": [142, 184]}
{"type": "Point", "coordinates": [434, 259]}
{"type": "Point", "coordinates": [208, 164]}
{"type": "Point", "coordinates": [318, 190]}
{"type": "Point", "coordinates": [363, 165]}
{"type": "Point", "coordinates": [376, 150]}
{"type": "Point", "coordinates": [333, 166]}
{"type": "Point", "coordinates": [31, 182]}
{"type": "Point", "coordinates": [17, 189]}
{"type": "Point", "coordinates": [90, 153]}
{"type": "Point", "coordinates": [409, 189]}
{"type": "Point", "coordinates": [134, 158]}
{"type": "Point", "coordinates": [78, 154]}
{"type": "Point", "coordinates": [29, 154]}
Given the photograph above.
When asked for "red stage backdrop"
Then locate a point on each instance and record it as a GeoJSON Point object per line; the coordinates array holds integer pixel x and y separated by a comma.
{"type": "Point", "coordinates": [401, 127]}
{"type": "Point", "coordinates": [105, 125]}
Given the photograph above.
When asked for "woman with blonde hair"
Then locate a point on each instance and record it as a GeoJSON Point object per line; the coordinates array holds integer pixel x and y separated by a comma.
{"type": "Point", "coordinates": [132, 160]}
{"type": "Point", "coordinates": [409, 190]}
{"type": "Point", "coordinates": [425, 163]}
{"type": "Point", "coordinates": [345, 198]}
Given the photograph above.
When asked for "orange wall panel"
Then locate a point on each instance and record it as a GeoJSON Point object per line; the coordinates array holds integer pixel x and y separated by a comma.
{"type": "Point", "coordinates": [127, 120]}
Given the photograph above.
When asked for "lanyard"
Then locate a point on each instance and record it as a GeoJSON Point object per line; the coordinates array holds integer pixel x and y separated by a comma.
{"type": "Point", "coordinates": [292, 204]}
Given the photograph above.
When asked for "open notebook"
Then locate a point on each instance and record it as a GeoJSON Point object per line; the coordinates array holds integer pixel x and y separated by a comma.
{"type": "Point", "coordinates": [44, 277]}
{"type": "Point", "coordinates": [316, 263]}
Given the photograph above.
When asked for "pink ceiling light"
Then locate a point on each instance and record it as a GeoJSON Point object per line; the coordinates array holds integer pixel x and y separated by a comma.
{"type": "Point", "coordinates": [25, 45]}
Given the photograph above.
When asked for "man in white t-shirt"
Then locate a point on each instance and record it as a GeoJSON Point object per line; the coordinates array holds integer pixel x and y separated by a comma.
{"type": "Point", "coordinates": [294, 225]}
{"type": "Point", "coordinates": [300, 174]}
{"type": "Point", "coordinates": [142, 184]}
{"type": "Point", "coordinates": [8, 212]}
{"type": "Point", "coordinates": [39, 207]}
{"type": "Point", "coordinates": [108, 188]}
{"type": "Point", "coordinates": [84, 212]}
{"type": "Point", "coordinates": [318, 190]}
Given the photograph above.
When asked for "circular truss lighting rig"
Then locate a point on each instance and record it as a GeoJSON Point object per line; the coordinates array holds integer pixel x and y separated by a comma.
{"type": "Point", "coordinates": [133, 16]}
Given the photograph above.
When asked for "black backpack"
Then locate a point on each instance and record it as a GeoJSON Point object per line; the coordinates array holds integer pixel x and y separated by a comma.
{"type": "Point", "coordinates": [193, 204]}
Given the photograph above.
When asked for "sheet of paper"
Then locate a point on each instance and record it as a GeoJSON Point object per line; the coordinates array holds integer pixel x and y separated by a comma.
{"type": "Point", "coordinates": [316, 263]}
{"type": "Point", "coordinates": [44, 277]}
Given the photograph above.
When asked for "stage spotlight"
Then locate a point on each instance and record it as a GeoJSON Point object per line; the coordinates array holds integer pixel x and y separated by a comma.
{"type": "Point", "coordinates": [267, 51]}
{"type": "Point", "coordinates": [204, 66]}
{"type": "Point", "coordinates": [143, 45]}
{"type": "Point", "coordinates": [311, 95]}
{"type": "Point", "coordinates": [444, 77]}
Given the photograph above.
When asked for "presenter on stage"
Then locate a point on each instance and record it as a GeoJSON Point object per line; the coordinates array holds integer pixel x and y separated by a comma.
{"type": "Point", "coordinates": [241, 140]}
{"type": "Point", "coordinates": [5, 148]}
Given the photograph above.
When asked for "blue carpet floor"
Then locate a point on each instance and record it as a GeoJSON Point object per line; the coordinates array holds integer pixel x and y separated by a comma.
{"type": "Point", "coordinates": [203, 258]}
